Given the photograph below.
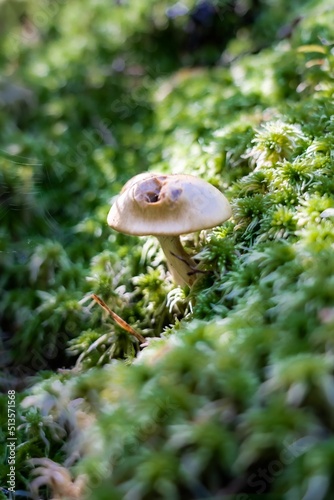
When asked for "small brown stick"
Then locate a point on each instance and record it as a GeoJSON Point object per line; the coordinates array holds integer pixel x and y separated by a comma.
{"type": "Point", "coordinates": [123, 324]}
{"type": "Point", "coordinates": [194, 270]}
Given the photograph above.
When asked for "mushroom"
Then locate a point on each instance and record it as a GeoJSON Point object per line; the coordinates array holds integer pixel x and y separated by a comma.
{"type": "Point", "coordinates": [167, 206]}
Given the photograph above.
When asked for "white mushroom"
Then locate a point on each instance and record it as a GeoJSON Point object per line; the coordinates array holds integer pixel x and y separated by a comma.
{"type": "Point", "coordinates": [167, 206]}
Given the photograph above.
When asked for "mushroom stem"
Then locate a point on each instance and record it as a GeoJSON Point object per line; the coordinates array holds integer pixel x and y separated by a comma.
{"type": "Point", "coordinates": [180, 264]}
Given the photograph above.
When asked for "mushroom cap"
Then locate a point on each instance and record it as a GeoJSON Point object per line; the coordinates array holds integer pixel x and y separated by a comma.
{"type": "Point", "coordinates": [167, 205]}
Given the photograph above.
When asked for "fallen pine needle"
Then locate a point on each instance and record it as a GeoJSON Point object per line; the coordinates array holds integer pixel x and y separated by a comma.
{"type": "Point", "coordinates": [123, 324]}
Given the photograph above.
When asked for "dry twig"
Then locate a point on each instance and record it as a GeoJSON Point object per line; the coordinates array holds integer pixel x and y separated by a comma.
{"type": "Point", "coordinates": [123, 324]}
